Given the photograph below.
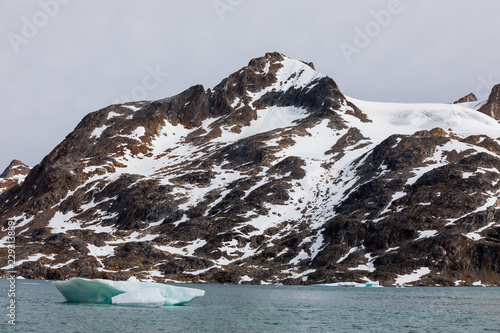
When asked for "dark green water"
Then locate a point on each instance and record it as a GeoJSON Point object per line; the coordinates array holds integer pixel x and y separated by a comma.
{"type": "Point", "coordinates": [40, 308]}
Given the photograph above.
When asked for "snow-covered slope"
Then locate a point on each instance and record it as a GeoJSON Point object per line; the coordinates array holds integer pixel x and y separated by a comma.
{"type": "Point", "coordinates": [272, 175]}
{"type": "Point", "coordinates": [401, 118]}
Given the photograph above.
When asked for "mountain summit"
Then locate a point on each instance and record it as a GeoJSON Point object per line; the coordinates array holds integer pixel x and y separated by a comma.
{"type": "Point", "coordinates": [271, 176]}
{"type": "Point", "coordinates": [13, 175]}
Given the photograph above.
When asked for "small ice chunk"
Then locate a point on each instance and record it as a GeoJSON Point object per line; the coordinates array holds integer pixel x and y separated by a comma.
{"type": "Point", "coordinates": [478, 284]}
{"type": "Point", "coordinates": [144, 298]}
{"type": "Point", "coordinates": [370, 284]}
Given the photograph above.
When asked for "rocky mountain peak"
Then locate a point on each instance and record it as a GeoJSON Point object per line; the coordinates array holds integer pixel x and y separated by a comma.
{"type": "Point", "coordinates": [13, 175]}
{"type": "Point", "coordinates": [15, 168]}
{"type": "Point", "coordinates": [492, 106]}
{"type": "Point", "coordinates": [272, 79]}
{"type": "Point", "coordinates": [468, 98]}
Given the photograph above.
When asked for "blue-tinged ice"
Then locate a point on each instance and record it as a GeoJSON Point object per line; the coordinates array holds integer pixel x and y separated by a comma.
{"type": "Point", "coordinates": [80, 290]}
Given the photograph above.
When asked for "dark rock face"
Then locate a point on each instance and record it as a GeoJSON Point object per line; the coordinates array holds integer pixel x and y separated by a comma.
{"type": "Point", "coordinates": [272, 175]}
{"type": "Point", "coordinates": [492, 107]}
{"type": "Point", "coordinates": [13, 175]}
{"type": "Point", "coordinates": [427, 225]}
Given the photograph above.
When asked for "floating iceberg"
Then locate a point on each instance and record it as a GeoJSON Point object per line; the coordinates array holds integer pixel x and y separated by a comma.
{"type": "Point", "coordinates": [131, 292]}
{"type": "Point", "coordinates": [374, 284]}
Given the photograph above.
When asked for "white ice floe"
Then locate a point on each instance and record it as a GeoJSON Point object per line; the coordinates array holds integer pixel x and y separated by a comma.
{"type": "Point", "coordinates": [135, 293]}
{"type": "Point", "coordinates": [372, 284]}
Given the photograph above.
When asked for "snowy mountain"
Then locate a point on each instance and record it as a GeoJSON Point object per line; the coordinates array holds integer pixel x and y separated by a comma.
{"type": "Point", "coordinates": [271, 176]}
{"type": "Point", "coordinates": [14, 175]}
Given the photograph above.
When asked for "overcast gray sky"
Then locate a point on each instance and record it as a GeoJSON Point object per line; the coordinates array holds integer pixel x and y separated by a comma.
{"type": "Point", "coordinates": [61, 59]}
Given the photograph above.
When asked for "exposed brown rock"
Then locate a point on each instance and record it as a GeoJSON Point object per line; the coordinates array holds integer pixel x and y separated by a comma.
{"type": "Point", "coordinates": [15, 168]}
{"type": "Point", "coordinates": [468, 98]}
{"type": "Point", "coordinates": [492, 106]}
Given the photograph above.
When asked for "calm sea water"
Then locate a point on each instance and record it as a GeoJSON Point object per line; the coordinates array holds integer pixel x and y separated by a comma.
{"type": "Point", "coordinates": [226, 308]}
